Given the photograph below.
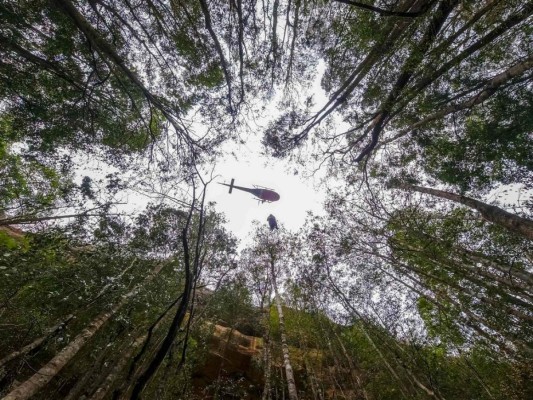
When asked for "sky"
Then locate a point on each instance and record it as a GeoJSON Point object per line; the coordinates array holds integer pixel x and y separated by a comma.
{"type": "Point", "coordinates": [248, 164]}
{"type": "Point", "coordinates": [298, 195]}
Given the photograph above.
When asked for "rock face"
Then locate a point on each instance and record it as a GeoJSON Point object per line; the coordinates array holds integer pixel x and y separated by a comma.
{"type": "Point", "coordinates": [231, 369]}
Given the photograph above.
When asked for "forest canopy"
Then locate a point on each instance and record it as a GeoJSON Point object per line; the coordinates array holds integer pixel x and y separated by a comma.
{"type": "Point", "coordinates": [415, 281]}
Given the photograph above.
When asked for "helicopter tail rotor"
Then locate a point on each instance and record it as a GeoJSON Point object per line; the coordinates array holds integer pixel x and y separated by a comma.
{"type": "Point", "coordinates": [231, 185]}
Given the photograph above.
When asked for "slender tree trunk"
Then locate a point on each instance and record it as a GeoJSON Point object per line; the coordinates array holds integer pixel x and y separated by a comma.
{"type": "Point", "coordinates": [353, 370]}
{"type": "Point", "coordinates": [146, 375]}
{"type": "Point", "coordinates": [32, 219]}
{"type": "Point", "coordinates": [192, 271]}
{"type": "Point", "coordinates": [311, 378]}
{"type": "Point", "coordinates": [119, 366]}
{"type": "Point", "coordinates": [87, 379]}
{"type": "Point", "coordinates": [241, 50]}
{"type": "Point", "coordinates": [434, 73]}
{"type": "Point", "coordinates": [126, 382]}
{"type": "Point", "coordinates": [112, 58]}
{"type": "Point", "coordinates": [433, 297]}
{"type": "Point", "coordinates": [274, 41]}
{"type": "Point", "coordinates": [487, 91]}
{"type": "Point", "coordinates": [218, 48]}
{"type": "Point", "coordinates": [481, 258]}
{"type": "Point", "coordinates": [403, 389]}
{"type": "Point", "coordinates": [510, 294]}
{"type": "Point", "coordinates": [36, 343]}
{"type": "Point", "coordinates": [293, 41]}
{"type": "Point", "coordinates": [472, 321]}
{"type": "Point", "coordinates": [56, 364]}
{"type": "Point", "coordinates": [408, 70]}
{"type": "Point", "coordinates": [490, 88]}
{"type": "Point", "coordinates": [291, 384]}
{"type": "Point", "coordinates": [267, 359]}
{"type": "Point", "coordinates": [512, 222]}
{"type": "Point", "coordinates": [386, 13]}
{"type": "Point", "coordinates": [392, 31]}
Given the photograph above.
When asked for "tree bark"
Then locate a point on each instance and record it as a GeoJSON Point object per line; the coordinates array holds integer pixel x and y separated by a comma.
{"type": "Point", "coordinates": [192, 271]}
{"type": "Point", "coordinates": [293, 41]}
{"type": "Point", "coordinates": [291, 384]}
{"type": "Point", "coordinates": [111, 56]}
{"type": "Point", "coordinates": [56, 364]}
{"type": "Point", "coordinates": [391, 33]}
{"type": "Point", "coordinates": [514, 223]}
{"type": "Point", "coordinates": [274, 40]}
{"type": "Point", "coordinates": [353, 369]}
{"type": "Point", "coordinates": [33, 219]}
{"type": "Point", "coordinates": [36, 343]}
{"type": "Point", "coordinates": [433, 296]}
{"type": "Point", "coordinates": [218, 48]}
{"type": "Point", "coordinates": [126, 382]}
{"type": "Point", "coordinates": [386, 13]}
{"type": "Point", "coordinates": [407, 72]}
{"type": "Point", "coordinates": [433, 74]}
{"type": "Point", "coordinates": [119, 366]}
{"type": "Point", "coordinates": [143, 379]}
{"type": "Point", "coordinates": [267, 359]}
{"type": "Point", "coordinates": [87, 379]}
{"type": "Point", "coordinates": [9, 44]}
{"type": "Point", "coordinates": [350, 307]}
{"type": "Point", "coordinates": [490, 88]}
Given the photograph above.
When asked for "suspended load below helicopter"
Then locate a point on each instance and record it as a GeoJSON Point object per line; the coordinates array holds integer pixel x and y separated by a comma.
{"type": "Point", "coordinates": [261, 193]}
{"type": "Point", "coordinates": [272, 223]}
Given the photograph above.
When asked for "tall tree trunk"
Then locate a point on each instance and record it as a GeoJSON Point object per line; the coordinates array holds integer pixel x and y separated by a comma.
{"type": "Point", "coordinates": [391, 32]}
{"type": "Point", "coordinates": [163, 349]}
{"type": "Point", "coordinates": [85, 381]}
{"type": "Point", "coordinates": [473, 273]}
{"type": "Point", "coordinates": [267, 359]}
{"type": "Point", "coordinates": [218, 48]}
{"type": "Point", "coordinates": [407, 72]}
{"type": "Point", "coordinates": [112, 57]}
{"type": "Point", "coordinates": [489, 89]}
{"type": "Point", "coordinates": [126, 382]}
{"type": "Point", "coordinates": [32, 219]}
{"type": "Point", "coordinates": [36, 343]}
{"type": "Point", "coordinates": [119, 366]}
{"type": "Point", "coordinates": [291, 384]}
{"type": "Point", "coordinates": [512, 222]}
{"type": "Point", "coordinates": [386, 13]}
{"type": "Point", "coordinates": [56, 364]}
{"type": "Point", "coordinates": [192, 271]}
{"type": "Point", "coordinates": [506, 269]}
{"type": "Point", "coordinates": [353, 369]}
{"type": "Point", "coordinates": [433, 296]}
{"type": "Point", "coordinates": [348, 306]}
{"type": "Point", "coordinates": [470, 319]}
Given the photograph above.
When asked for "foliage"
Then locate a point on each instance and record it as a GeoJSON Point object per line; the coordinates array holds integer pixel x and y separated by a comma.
{"type": "Point", "coordinates": [494, 147]}
{"type": "Point", "coordinates": [392, 293]}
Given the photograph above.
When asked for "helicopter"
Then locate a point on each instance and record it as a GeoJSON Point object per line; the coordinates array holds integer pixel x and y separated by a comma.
{"type": "Point", "coordinates": [261, 193]}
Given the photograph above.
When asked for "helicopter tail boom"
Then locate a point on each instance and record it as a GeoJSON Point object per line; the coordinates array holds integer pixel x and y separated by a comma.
{"type": "Point", "coordinates": [231, 185]}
